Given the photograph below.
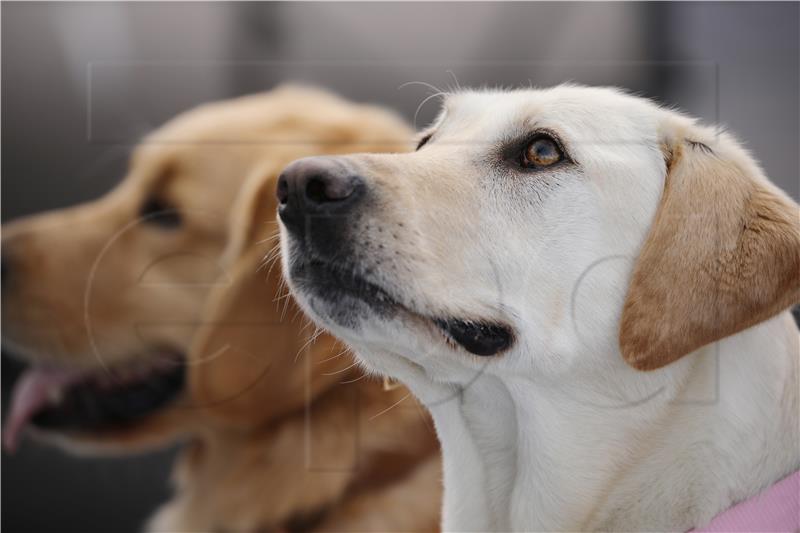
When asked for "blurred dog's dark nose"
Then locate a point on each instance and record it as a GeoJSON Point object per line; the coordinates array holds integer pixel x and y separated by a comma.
{"type": "Point", "coordinates": [317, 187]}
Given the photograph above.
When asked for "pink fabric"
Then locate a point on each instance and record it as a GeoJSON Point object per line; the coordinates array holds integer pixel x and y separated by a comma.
{"type": "Point", "coordinates": [776, 508]}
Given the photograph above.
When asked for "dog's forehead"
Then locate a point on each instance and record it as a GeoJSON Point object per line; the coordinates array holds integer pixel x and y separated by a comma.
{"type": "Point", "coordinates": [583, 111]}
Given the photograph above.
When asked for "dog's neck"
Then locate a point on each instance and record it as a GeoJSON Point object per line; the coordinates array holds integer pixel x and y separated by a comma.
{"type": "Point", "coordinates": [600, 452]}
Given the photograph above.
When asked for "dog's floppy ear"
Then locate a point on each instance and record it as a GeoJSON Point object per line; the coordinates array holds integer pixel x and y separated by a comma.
{"type": "Point", "coordinates": [252, 358]}
{"type": "Point", "coordinates": [723, 252]}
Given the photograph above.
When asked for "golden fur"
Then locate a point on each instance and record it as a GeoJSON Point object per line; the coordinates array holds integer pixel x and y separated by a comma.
{"type": "Point", "coordinates": [723, 253]}
{"type": "Point", "coordinates": [282, 430]}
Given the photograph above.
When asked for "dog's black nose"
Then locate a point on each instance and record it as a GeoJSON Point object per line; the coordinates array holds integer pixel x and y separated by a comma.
{"type": "Point", "coordinates": [317, 187]}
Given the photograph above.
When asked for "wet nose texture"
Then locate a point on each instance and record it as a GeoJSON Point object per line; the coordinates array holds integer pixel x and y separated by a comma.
{"type": "Point", "coordinates": [319, 198]}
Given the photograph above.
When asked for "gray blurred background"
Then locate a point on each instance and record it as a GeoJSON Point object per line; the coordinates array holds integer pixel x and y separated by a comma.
{"type": "Point", "coordinates": [81, 82]}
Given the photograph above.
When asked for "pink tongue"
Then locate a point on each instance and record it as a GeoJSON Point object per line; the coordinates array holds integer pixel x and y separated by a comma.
{"type": "Point", "coordinates": [31, 393]}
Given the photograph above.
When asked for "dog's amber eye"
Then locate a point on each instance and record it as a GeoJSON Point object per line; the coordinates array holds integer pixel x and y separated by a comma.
{"type": "Point", "coordinates": [159, 213]}
{"type": "Point", "coordinates": [542, 152]}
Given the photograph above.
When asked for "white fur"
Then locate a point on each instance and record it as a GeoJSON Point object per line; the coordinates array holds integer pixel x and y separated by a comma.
{"type": "Point", "coordinates": [559, 433]}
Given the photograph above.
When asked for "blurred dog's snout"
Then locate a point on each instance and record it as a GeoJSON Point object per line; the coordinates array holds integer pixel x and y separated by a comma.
{"type": "Point", "coordinates": [317, 187]}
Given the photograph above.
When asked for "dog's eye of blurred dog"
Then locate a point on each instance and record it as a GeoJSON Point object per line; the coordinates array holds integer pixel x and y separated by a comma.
{"type": "Point", "coordinates": [160, 213]}
{"type": "Point", "coordinates": [542, 151]}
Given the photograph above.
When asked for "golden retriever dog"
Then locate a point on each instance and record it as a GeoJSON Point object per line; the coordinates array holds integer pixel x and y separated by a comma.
{"type": "Point", "coordinates": [589, 291]}
{"type": "Point", "coordinates": [142, 318]}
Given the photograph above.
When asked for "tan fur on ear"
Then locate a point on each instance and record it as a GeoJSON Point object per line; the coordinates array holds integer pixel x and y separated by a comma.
{"type": "Point", "coordinates": [253, 214]}
{"type": "Point", "coordinates": [252, 359]}
{"type": "Point", "coordinates": [723, 253]}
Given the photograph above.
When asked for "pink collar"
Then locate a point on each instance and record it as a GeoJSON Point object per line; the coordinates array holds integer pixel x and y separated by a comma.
{"type": "Point", "coordinates": [776, 508]}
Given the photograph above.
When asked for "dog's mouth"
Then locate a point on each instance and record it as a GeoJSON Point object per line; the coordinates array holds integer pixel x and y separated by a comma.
{"type": "Point", "coordinates": [80, 401]}
{"type": "Point", "coordinates": [334, 283]}
{"type": "Point", "coordinates": [338, 287]}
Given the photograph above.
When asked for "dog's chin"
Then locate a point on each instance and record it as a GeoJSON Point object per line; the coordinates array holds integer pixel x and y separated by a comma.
{"type": "Point", "coordinates": [340, 297]}
{"type": "Point", "coordinates": [347, 303]}
{"type": "Point", "coordinates": [119, 405]}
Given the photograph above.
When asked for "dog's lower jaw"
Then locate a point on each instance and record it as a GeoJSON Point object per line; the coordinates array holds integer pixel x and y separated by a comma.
{"type": "Point", "coordinates": [521, 457]}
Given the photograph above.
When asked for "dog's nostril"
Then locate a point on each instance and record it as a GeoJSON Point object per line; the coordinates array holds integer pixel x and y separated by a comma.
{"type": "Point", "coordinates": [316, 190]}
{"type": "Point", "coordinates": [316, 186]}
{"type": "Point", "coordinates": [282, 191]}
{"type": "Point", "coordinates": [325, 189]}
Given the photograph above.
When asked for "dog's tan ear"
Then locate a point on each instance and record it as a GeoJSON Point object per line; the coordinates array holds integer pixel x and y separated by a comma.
{"type": "Point", "coordinates": [723, 252]}
{"type": "Point", "coordinates": [252, 358]}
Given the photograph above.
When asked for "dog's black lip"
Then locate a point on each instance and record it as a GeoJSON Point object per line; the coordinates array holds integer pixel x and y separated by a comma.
{"type": "Point", "coordinates": [328, 281]}
{"type": "Point", "coordinates": [480, 338]}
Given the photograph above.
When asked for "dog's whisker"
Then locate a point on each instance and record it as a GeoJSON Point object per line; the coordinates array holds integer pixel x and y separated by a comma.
{"type": "Point", "coordinates": [345, 369]}
{"type": "Point", "coordinates": [419, 107]}
{"type": "Point", "coordinates": [273, 261]}
{"type": "Point", "coordinates": [268, 262]}
{"type": "Point", "coordinates": [269, 259]}
{"type": "Point", "coordinates": [280, 297]}
{"type": "Point", "coordinates": [269, 239]}
{"type": "Point", "coordinates": [347, 382]}
{"type": "Point", "coordinates": [286, 309]}
{"type": "Point", "coordinates": [262, 266]}
{"type": "Point", "coordinates": [455, 79]}
{"type": "Point", "coordinates": [274, 249]}
{"type": "Point", "coordinates": [395, 404]}
{"type": "Point", "coordinates": [307, 325]}
{"type": "Point", "coordinates": [423, 83]}
{"type": "Point", "coordinates": [309, 342]}
{"type": "Point", "coordinates": [282, 293]}
{"type": "Point", "coordinates": [283, 286]}
{"type": "Point", "coordinates": [297, 312]}
{"type": "Point", "coordinates": [331, 358]}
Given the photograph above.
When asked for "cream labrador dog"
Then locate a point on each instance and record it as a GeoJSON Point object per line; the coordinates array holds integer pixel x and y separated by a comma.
{"type": "Point", "coordinates": [587, 290]}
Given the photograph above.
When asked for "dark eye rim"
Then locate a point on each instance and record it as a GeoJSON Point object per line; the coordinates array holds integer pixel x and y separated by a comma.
{"type": "Point", "coordinates": [158, 212]}
{"type": "Point", "coordinates": [422, 142]}
{"type": "Point", "coordinates": [536, 136]}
